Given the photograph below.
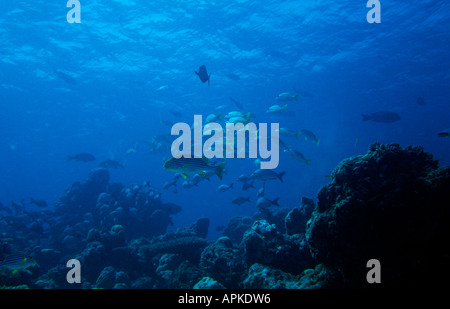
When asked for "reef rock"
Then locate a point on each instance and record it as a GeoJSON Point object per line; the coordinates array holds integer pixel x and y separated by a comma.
{"type": "Point", "coordinates": [264, 277]}
{"type": "Point", "coordinates": [236, 228]}
{"type": "Point", "coordinates": [208, 283]}
{"type": "Point", "coordinates": [297, 218]}
{"type": "Point", "coordinates": [223, 262]}
{"type": "Point", "coordinates": [391, 205]}
{"type": "Point", "coordinates": [265, 245]}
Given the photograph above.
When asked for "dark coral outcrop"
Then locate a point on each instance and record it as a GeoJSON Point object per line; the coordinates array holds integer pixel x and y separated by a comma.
{"type": "Point", "coordinates": [390, 204]}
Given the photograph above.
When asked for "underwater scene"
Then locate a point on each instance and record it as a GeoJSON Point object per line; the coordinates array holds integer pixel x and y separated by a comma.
{"type": "Point", "coordinates": [242, 144]}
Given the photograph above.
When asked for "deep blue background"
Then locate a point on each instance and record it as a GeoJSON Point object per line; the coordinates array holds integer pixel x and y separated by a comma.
{"type": "Point", "coordinates": [123, 51]}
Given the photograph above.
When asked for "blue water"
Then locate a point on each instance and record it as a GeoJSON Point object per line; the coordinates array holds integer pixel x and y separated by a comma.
{"type": "Point", "coordinates": [123, 51]}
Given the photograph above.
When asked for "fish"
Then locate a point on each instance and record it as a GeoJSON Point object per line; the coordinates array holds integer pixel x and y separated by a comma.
{"type": "Point", "coordinates": [310, 135]}
{"type": "Point", "coordinates": [261, 191]}
{"type": "Point", "coordinates": [17, 261]}
{"type": "Point", "coordinates": [164, 87]}
{"type": "Point", "coordinates": [263, 202]}
{"type": "Point", "coordinates": [213, 118]}
{"type": "Point", "coordinates": [110, 164]}
{"type": "Point", "coordinates": [297, 155]}
{"type": "Point", "coordinates": [236, 114]}
{"type": "Point", "coordinates": [444, 133]}
{"type": "Point", "coordinates": [169, 184]}
{"type": "Point", "coordinates": [223, 188]}
{"type": "Point", "coordinates": [65, 77]}
{"type": "Point", "coordinates": [186, 166]}
{"type": "Point", "coordinates": [171, 208]}
{"type": "Point", "coordinates": [277, 109]}
{"type": "Point", "coordinates": [81, 157]}
{"type": "Point", "coordinates": [290, 133]}
{"type": "Point", "coordinates": [287, 96]}
{"type": "Point", "coordinates": [382, 116]}
{"type": "Point", "coordinates": [233, 76]}
{"type": "Point", "coordinates": [203, 74]}
{"type": "Point", "coordinates": [244, 178]}
{"type": "Point", "coordinates": [238, 104]}
{"type": "Point", "coordinates": [187, 184]}
{"type": "Point", "coordinates": [283, 145]}
{"type": "Point", "coordinates": [132, 150]}
{"type": "Point", "coordinates": [264, 174]}
{"type": "Point", "coordinates": [38, 203]}
{"type": "Point", "coordinates": [247, 186]}
{"type": "Point", "coordinates": [237, 120]}
{"type": "Point", "coordinates": [161, 142]}
{"type": "Point", "coordinates": [176, 113]}
{"type": "Point", "coordinates": [240, 200]}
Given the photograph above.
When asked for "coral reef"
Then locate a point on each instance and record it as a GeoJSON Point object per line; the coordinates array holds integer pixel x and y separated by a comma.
{"type": "Point", "coordinates": [390, 204]}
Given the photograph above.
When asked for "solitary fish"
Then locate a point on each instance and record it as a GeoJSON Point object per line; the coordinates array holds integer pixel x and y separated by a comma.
{"type": "Point", "coordinates": [264, 174]}
{"type": "Point", "coordinates": [238, 104]}
{"type": "Point", "coordinates": [213, 118]}
{"type": "Point", "coordinates": [203, 74]}
{"type": "Point", "coordinates": [247, 185]}
{"type": "Point", "coordinates": [38, 203]}
{"type": "Point", "coordinates": [297, 155]}
{"type": "Point", "coordinates": [169, 184]}
{"type": "Point", "coordinates": [277, 109]}
{"type": "Point", "coordinates": [287, 96]}
{"type": "Point", "coordinates": [244, 178]}
{"type": "Point", "coordinates": [233, 76]}
{"type": "Point", "coordinates": [240, 200]}
{"type": "Point", "coordinates": [65, 77]}
{"type": "Point", "coordinates": [310, 135]}
{"type": "Point", "coordinates": [290, 133]}
{"type": "Point", "coordinates": [383, 116]}
{"type": "Point", "coordinates": [81, 157]}
{"type": "Point", "coordinates": [445, 133]}
{"type": "Point", "coordinates": [263, 202]}
{"type": "Point", "coordinates": [186, 166]}
{"type": "Point", "coordinates": [16, 262]}
{"type": "Point", "coordinates": [223, 188]}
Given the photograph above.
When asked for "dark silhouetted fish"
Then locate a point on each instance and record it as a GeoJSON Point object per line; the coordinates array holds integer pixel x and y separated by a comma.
{"type": "Point", "coordinates": [110, 164]}
{"type": "Point", "coordinates": [239, 105]}
{"type": "Point", "coordinates": [65, 77]}
{"type": "Point", "coordinates": [203, 74]}
{"type": "Point", "coordinates": [383, 116]}
{"type": "Point", "coordinates": [233, 76]}
{"type": "Point", "coordinates": [38, 203]}
{"type": "Point", "coordinates": [176, 113]}
{"type": "Point", "coordinates": [171, 208]}
{"type": "Point", "coordinates": [81, 157]}
{"type": "Point", "coordinates": [445, 133]}
{"type": "Point", "coordinates": [240, 200]}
